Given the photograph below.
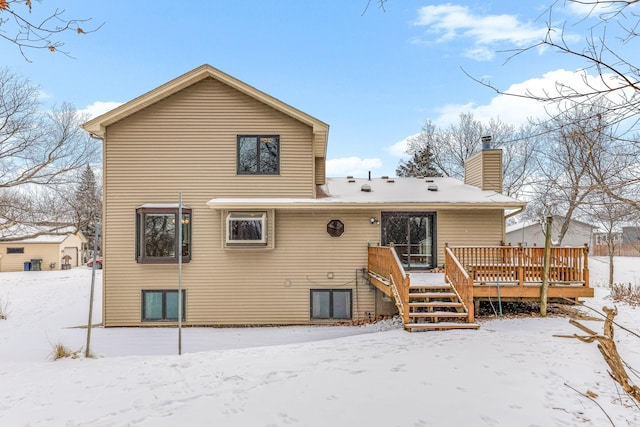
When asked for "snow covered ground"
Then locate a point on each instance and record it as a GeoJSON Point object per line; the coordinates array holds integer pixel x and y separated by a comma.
{"type": "Point", "coordinates": [510, 372]}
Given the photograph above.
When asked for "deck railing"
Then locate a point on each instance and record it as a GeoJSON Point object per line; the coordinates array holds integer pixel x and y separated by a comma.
{"type": "Point", "coordinates": [522, 265]}
{"type": "Point", "coordinates": [384, 263]}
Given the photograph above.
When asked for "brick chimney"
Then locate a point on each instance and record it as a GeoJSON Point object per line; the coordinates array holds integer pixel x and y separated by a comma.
{"type": "Point", "coordinates": [484, 169]}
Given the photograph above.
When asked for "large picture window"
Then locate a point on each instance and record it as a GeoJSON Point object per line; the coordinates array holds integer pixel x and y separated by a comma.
{"type": "Point", "coordinates": [330, 304]}
{"type": "Point", "coordinates": [258, 155]}
{"type": "Point", "coordinates": [247, 228]}
{"type": "Point", "coordinates": [157, 234]}
{"type": "Point", "coordinates": [162, 305]}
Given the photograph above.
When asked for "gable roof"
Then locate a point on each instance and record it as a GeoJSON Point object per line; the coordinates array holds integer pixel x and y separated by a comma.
{"type": "Point", "coordinates": [96, 126]}
{"type": "Point", "coordinates": [383, 192]}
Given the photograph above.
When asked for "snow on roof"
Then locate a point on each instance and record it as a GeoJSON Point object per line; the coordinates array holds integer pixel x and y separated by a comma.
{"type": "Point", "coordinates": [20, 230]}
{"type": "Point", "coordinates": [350, 191]}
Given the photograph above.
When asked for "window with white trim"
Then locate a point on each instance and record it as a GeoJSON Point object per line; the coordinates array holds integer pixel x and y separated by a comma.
{"type": "Point", "coordinates": [247, 228]}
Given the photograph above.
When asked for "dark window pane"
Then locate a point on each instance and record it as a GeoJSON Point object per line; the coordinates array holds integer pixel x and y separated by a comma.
{"type": "Point", "coordinates": [172, 305]}
{"type": "Point", "coordinates": [159, 235]}
{"type": "Point", "coordinates": [153, 305]}
{"type": "Point", "coordinates": [341, 304]}
{"type": "Point", "coordinates": [15, 250]}
{"type": "Point", "coordinates": [186, 235]}
{"type": "Point", "coordinates": [248, 154]}
{"type": "Point", "coordinates": [268, 155]}
{"type": "Point", "coordinates": [246, 230]}
{"type": "Point", "coordinates": [320, 308]}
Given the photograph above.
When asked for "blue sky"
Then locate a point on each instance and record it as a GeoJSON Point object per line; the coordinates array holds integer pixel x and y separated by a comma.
{"type": "Point", "coordinates": [374, 78]}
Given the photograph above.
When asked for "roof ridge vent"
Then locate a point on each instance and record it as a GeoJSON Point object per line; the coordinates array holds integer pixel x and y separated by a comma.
{"type": "Point", "coordinates": [391, 180]}
{"type": "Point", "coordinates": [349, 176]}
{"type": "Point", "coordinates": [428, 180]}
{"type": "Point", "coordinates": [432, 187]}
{"type": "Point", "coordinates": [366, 188]}
{"type": "Point", "coordinates": [351, 180]}
{"type": "Point", "coordinates": [384, 177]}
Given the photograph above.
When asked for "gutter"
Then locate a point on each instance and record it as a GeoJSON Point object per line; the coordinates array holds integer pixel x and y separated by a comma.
{"type": "Point", "coordinates": [514, 213]}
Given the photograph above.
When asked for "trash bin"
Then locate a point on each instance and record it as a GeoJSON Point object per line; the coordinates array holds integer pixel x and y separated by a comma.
{"type": "Point", "coordinates": [27, 266]}
{"type": "Point", "coordinates": [36, 264]}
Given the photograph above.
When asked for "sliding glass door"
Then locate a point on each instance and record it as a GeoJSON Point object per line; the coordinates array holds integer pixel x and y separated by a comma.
{"type": "Point", "coordinates": [413, 236]}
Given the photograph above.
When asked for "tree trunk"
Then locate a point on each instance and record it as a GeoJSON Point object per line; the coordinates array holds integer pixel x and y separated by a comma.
{"type": "Point", "coordinates": [545, 268]}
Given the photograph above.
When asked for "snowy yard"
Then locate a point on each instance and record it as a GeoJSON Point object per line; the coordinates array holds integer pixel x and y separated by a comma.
{"type": "Point", "coordinates": [510, 372]}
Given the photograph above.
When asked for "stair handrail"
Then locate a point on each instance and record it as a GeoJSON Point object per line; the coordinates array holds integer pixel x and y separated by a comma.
{"type": "Point", "coordinates": [461, 281]}
{"type": "Point", "coordinates": [387, 264]}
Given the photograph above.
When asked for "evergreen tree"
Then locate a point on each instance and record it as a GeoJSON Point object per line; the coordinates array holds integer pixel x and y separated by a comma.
{"type": "Point", "coordinates": [421, 164]}
{"type": "Point", "coordinates": [88, 204]}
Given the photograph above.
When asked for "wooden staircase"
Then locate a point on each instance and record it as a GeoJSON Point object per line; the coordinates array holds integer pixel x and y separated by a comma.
{"type": "Point", "coordinates": [436, 307]}
{"type": "Point", "coordinates": [425, 300]}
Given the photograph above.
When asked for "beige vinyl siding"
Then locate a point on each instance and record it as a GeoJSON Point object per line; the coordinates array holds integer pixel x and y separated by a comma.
{"type": "Point", "coordinates": [492, 170]}
{"type": "Point", "coordinates": [240, 287]}
{"type": "Point", "coordinates": [473, 170]}
{"type": "Point", "coordinates": [469, 227]}
{"type": "Point", "coordinates": [321, 172]}
{"type": "Point", "coordinates": [484, 170]}
{"type": "Point", "coordinates": [189, 139]}
{"type": "Point", "coordinates": [187, 143]}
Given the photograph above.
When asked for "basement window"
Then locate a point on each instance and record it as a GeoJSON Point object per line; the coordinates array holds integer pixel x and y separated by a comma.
{"type": "Point", "coordinates": [247, 228]}
{"type": "Point", "coordinates": [162, 305]}
{"type": "Point", "coordinates": [157, 234]}
{"type": "Point", "coordinates": [328, 304]}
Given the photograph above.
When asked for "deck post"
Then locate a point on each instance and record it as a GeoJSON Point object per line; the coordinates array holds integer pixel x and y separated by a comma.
{"type": "Point", "coordinates": [520, 265]}
{"type": "Point", "coordinates": [585, 268]}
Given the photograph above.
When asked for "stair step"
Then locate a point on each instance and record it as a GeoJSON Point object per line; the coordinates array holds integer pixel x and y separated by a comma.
{"type": "Point", "coordinates": [436, 304]}
{"type": "Point", "coordinates": [442, 286]}
{"type": "Point", "coordinates": [439, 326]}
{"type": "Point", "coordinates": [438, 314]}
{"type": "Point", "coordinates": [433, 295]}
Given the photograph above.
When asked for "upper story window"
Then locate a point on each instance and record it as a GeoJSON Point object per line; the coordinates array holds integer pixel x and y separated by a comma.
{"type": "Point", "coordinates": [258, 154]}
{"type": "Point", "coordinates": [15, 250]}
{"type": "Point", "coordinates": [157, 234]}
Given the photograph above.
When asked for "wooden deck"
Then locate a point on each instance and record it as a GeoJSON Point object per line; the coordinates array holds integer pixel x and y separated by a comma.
{"type": "Point", "coordinates": [511, 273]}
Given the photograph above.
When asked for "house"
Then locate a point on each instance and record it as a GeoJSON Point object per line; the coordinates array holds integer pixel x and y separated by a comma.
{"type": "Point", "coordinates": [213, 184]}
{"type": "Point", "coordinates": [532, 233]}
{"type": "Point", "coordinates": [46, 250]}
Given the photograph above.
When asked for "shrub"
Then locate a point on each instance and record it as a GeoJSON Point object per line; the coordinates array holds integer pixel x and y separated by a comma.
{"type": "Point", "coordinates": [625, 292]}
{"type": "Point", "coordinates": [60, 352]}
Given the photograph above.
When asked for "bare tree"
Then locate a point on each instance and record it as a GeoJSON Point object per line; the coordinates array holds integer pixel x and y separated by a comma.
{"type": "Point", "coordinates": [29, 28]}
{"type": "Point", "coordinates": [608, 77]}
{"type": "Point", "coordinates": [575, 142]}
{"type": "Point", "coordinates": [451, 147]}
{"type": "Point", "coordinates": [39, 150]}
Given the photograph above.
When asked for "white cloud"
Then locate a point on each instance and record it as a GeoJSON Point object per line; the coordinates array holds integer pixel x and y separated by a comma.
{"type": "Point", "coordinates": [98, 108]}
{"type": "Point", "coordinates": [449, 22]}
{"type": "Point", "coordinates": [399, 149]}
{"type": "Point", "coordinates": [354, 166]}
{"type": "Point", "coordinates": [516, 110]}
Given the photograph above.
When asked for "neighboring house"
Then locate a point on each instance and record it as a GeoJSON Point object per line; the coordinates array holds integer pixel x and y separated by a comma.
{"type": "Point", "coordinates": [531, 233]}
{"type": "Point", "coordinates": [266, 237]}
{"type": "Point", "coordinates": [631, 235]}
{"type": "Point", "coordinates": [44, 252]}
